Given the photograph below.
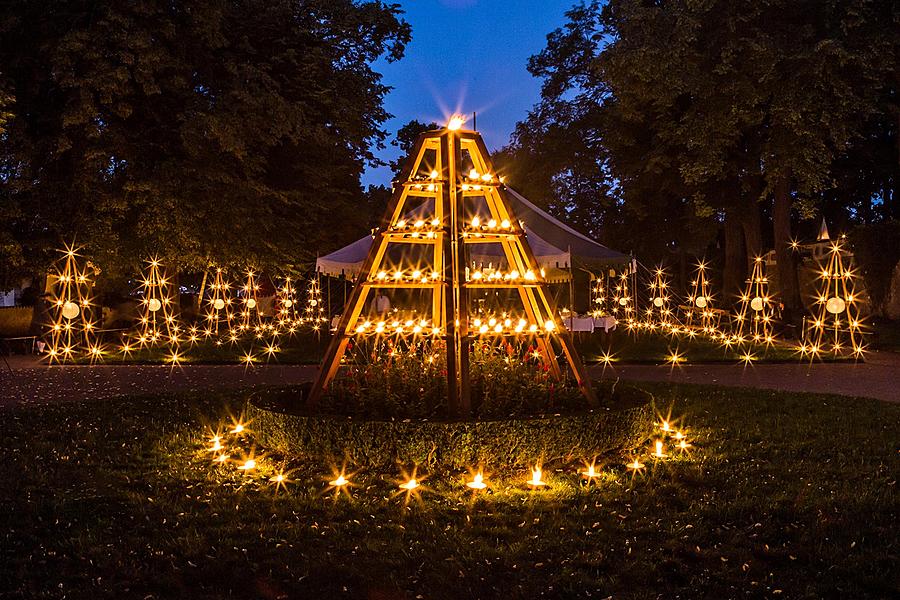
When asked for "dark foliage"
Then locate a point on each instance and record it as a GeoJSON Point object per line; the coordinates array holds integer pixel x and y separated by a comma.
{"type": "Point", "coordinates": [210, 130]}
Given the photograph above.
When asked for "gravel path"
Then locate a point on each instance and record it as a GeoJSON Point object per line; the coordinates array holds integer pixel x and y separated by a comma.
{"type": "Point", "coordinates": [878, 377]}
{"type": "Point", "coordinates": [28, 381]}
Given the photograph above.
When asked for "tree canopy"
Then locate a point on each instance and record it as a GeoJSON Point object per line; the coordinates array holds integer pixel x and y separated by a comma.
{"type": "Point", "coordinates": [231, 131]}
{"type": "Point", "coordinates": [681, 118]}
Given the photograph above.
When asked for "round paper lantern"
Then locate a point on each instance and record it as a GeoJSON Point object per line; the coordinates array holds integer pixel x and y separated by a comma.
{"type": "Point", "coordinates": [700, 302]}
{"type": "Point", "coordinates": [623, 301]}
{"type": "Point", "coordinates": [154, 305]}
{"type": "Point", "coordinates": [288, 303]}
{"type": "Point", "coordinates": [657, 302]}
{"type": "Point", "coordinates": [756, 304]}
{"type": "Point", "coordinates": [219, 304]}
{"type": "Point", "coordinates": [251, 303]}
{"type": "Point", "coordinates": [835, 305]}
{"type": "Point", "coordinates": [70, 310]}
{"type": "Point", "coordinates": [313, 302]}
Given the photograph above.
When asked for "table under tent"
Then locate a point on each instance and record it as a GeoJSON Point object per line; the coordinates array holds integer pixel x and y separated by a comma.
{"type": "Point", "coordinates": [572, 263]}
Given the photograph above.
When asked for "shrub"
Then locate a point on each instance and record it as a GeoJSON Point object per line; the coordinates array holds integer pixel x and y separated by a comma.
{"type": "Point", "coordinates": [624, 423]}
{"type": "Point", "coordinates": [16, 321]}
{"type": "Point", "coordinates": [388, 379]}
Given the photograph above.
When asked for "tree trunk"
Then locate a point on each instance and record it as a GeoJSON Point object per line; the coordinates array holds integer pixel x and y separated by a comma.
{"type": "Point", "coordinates": [788, 280]}
{"type": "Point", "coordinates": [735, 263]}
{"type": "Point", "coordinates": [682, 272]}
{"type": "Point", "coordinates": [752, 224]}
{"type": "Point", "coordinates": [39, 318]}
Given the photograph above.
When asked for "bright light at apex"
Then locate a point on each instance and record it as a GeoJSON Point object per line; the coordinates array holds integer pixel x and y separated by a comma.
{"type": "Point", "coordinates": [456, 122]}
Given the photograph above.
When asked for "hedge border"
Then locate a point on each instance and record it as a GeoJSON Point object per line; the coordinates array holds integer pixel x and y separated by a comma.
{"type": "Point", "coordinates": [513, 442]}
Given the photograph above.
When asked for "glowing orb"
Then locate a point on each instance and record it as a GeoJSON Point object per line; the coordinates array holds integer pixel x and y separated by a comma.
{"type": "Point", "coordinates": [313, 302]}
{"type": "Point", "coordinates": [288, 303]}
{"type": "Point", "coordinates": [154, 305]}
{"type": "Point", "coordinates": [657, 302]}
{"type": "Point", "coordinates": [700, 302]}
{"type": "Point", "coordinates": [251, 303]}
{"type": "Point", "coordinates": [623, 301]}
{"type": "Point", "coordinates": [756, 304]}
{"type": "Point", "coordinates": [219, 304]}
{"type": "Point", "coordinates": [835, 305]}
{"type": "Point", "coordinates": [70, 310]}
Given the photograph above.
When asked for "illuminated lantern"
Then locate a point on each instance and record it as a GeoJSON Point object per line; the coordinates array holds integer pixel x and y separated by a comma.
{"type": "Point", "coordinates": [700, 302]}
{"type": "Point", "coordinates": [251, 303]}
{"type": "Point", "coordinates": [623, 301]}
{"type": "Point", "coordinates": [658, 302]}
{"type": "Point", "coordinates": [70, 310]}
{"type": "Point", "coordinates": [288, 303]}
{"type": "Point", "coordinates": [835, 305]}
{"type": "Point", "coordinates": [154, 305]}
{"type": "Point", "coordinates": [219, 304]}
{"type": "Point", "coordinates": [757, 304]}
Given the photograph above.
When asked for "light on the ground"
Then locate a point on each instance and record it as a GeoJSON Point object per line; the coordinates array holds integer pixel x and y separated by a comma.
{"type": "Point", "coordinates": [477, 482]}
{"type": "Point", "coordinates": [659, 452]}
{"type": "Point", "coordinates": [536, 480]}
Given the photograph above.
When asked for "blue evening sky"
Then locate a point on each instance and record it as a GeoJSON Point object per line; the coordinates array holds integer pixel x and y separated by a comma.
{"type": "Point", "coordinates": [465, 56]}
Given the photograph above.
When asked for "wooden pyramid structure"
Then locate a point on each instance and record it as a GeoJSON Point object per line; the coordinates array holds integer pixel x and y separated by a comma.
{"type": "Point", "coordinates": [72, 328]}
{"type": "Point", "coordinates": [157, 310]}
{"type": "Point", "coordinates": [446, 215]}
{"type": "Point", "coordinates": [837, 320]}
{"type": "Point", "coordinates": [754, 315]}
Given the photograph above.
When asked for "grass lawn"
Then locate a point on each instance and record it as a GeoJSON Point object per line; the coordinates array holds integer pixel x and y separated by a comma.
{"type": "Point", "coordinates": [786, 495]}
{"type": "Point", "coordinates": [308, 348]}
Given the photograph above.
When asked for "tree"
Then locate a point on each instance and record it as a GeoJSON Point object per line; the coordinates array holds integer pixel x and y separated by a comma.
{"type": "Point", "coordinates": [699, 111]}
{"type": "Point", "coordinates": [225, 131]}
{"type": "Point", "coordinates": [405, 140]}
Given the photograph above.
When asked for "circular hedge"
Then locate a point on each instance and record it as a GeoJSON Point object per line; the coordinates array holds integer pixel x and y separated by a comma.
{"type": "Point", "coordinates": [622, 424]}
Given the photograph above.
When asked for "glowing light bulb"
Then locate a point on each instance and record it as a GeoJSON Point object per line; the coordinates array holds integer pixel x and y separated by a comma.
{"type": "Point", "coordinates": [635, 465]}
{"type": "Point", "coordinates": [473, 174]}
{"type": "Point", "coordinates": [339, 482]}
{"type": "Point", "coordinates": [409, 485]}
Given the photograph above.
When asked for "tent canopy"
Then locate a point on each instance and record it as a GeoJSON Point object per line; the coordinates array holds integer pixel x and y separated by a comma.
{"type": "Point", "coordinates": [555, 245]}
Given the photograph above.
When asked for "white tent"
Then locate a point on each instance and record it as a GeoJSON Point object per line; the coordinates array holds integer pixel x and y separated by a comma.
{"type": "Point", "coordinates": [555, 245]}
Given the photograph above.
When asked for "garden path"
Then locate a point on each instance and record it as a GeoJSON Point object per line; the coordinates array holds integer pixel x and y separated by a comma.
{"type": "Point", "coordinates": [878, 377]}
{"type": "Point", "coordinates": [28, 381]}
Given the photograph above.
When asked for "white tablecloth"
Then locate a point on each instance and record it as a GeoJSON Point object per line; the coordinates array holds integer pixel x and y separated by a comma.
{"type": "Point", "coordinates": [607, 323]}
{"type": "Point", "coordinates": [579, 323]}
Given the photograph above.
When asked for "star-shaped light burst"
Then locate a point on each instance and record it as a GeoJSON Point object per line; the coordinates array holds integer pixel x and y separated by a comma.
{"type": "Point", "coordinates": [280, 480]}
{"type": "Point", "coordinates": [591, 472]}
{"type": "Point", "coordinates": [636, 466]}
